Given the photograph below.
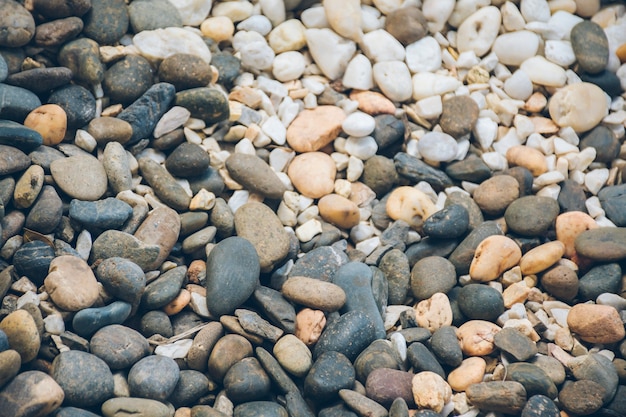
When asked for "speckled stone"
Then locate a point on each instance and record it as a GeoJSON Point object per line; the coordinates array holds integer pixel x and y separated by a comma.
{"type": "Point", "coordinates": [33, 260]}
{"type": "Point", "coordinates": [109, 213]}
{"type": "Point", "coordinates": [590, 45]}
{"type": "Point", "coordinates": [501, 396]}
{"type": "Point", "coordinates": [58, 32]}
{"type": "Point", "coordinates": [208, 104]}
{"type": "Point", "coordinates": [228, 67]}
{"type": "Point", "coordinates": [187, 160]}
{"type": "Point", "coordinates": [121, 278]}
{"type": "Point", "coordinates": [192, 385]}
{"type": "Point", "coordinates": [349, 335]}
{"type": "Point", "coordinates": [40, 80]}
{"type": "Point", "coordinates": [531, 215]}
{"type": "Point", "coordinates": [78, 102]}
{"type": "Point", "coordinates": [164, 185]}
{"type": "Point", "coordinates": [59, 8]}
{"type": "Point", "coordinates": [407, 24]}
{"type": "Point", "coordinates": [379, 174]}
{"type": "Point", "coordinates": [606, 278]}
{"type": "Point", "coordinates": [458, 116]}
{"type": "Point", "coordinates": [246, 381]}
{"type": "Point", "coordinates": [379, 354]}
{"type": "Point", "coordinates": [17, 26]}
{"type": "Point", "coordinates": [602, 244]}
{"type": "Point", "coordinates": [331, 372]}
{"type": "Point", "coordinates": [582, 397]}
{"type": "Point", "coordinates": [481, 302]}
{"type": "Point", "coordinates": [430, 275]}
{"type": "Point", "coordinates": [112, 243]}
{"type": "Point", "coordinates": [127, 79]}
{"type": "Point", "coordinates": [107, 21]}
{"type": "Point", "coordinates": [540, 406]}
{"type": "Point", "coordinates": [82, 57]}
{"type": "Point", "coordinates": [31, 390]}
{"type": "Point", "coordinates": [185, 71]}
{"type": "Point", "coordinates": [534, 379]}
{"type": "Point", "coordinates": [150, 15]}
{"type": "Point", "coordinates": [448, 223]}
{"type": "Point", "coordinates": [228, 350]}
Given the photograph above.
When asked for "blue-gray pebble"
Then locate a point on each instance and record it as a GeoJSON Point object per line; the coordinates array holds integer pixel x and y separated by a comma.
{"type": "Point", "coordinates": [89, 320]}
{"type": "Point", "coordinates": [119, 346]}
{"type": "Point", "coordinates": [153, 377]}
{"type": "Point", "coordinates": [109, 213]}
{"type": "Point", "coordinates": [85, 379]}
{"type": "Point", "coordinates": [121, 278]}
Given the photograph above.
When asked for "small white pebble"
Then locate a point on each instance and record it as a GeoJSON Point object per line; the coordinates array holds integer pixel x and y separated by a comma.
{"type": "Point", "coordinates": [362, 148]}
{"type": "Point", "coordinates": [358, 124]}
{"type": "Point", "coordinates": [238, 199]}
{"type": "Point", "coordinates": [595, 179]}
{"type": "Point", "coordinates": [308, 230]}
{"type": "Point", "coordinates": [495, 161]}
{"type": "Point", "coordinates": [355, 169]}
{"type": "Point", "coordinates": [594, 208]}
{"type": "Point", "coordinates": [368, 246]}
{"type": "Point", "coordinates": [176, 350]}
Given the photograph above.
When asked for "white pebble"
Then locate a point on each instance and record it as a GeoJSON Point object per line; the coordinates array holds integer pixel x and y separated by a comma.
{"type": "Point", "coordinates": [559, 52]}
{"type": "Point", "coordinates": [485, 131]}
{"type": "Point", "coordinates": [437, 146]}
{"type": "Point", "coordinates": [85, 140]}
{"type": "Point", "coordinates": [362, 148]}
{"type": "Point", "coordinates": [83, 244]}
{"type": "Point", "coordinates": [330, 51]}
{"type": "Point", "coordinates": [518, 86]}
{"type": "Point", "coordinates": [274, 10]}
{"type": "Point", "coordinates": [535, 10]}
{"type": "Point", "coordinates": [288, 110]}
{"type": "Point", "coordinates": [355, 169]}
{"type": "Point", "coordinates": [257, 55]}
{"type": "Point", "coordinates": [548, 178]}
{"type": "Point", "coordinates": [257, 23]}
{"type": "Point", "coordinates": [380, 45]}
{"type": "Point", "coordinates": [341, 160]}
{"type": "Point", "coordinates": [235, 10]}
{"type": "Point", "coordinates": [54, 324]}
{"type": "Point", "coordinates": [603, 221]}
{"type": "Point", "coordinates": [495, 161]}
{"type": "Point", "coordinates": [286, 215]}
{"type": "Point", "coordinates": [437, 13]}
{"type": "Point", "coordinates": [198, 302]}
{"type": "Point", "coordinates": [288, 36]}
{"type": "Point", "coordinates": [172, 119]}
{"type": "Point", "coordinates": [551, 191]}
{"type": "Point", "coordinates": [387, 6]}
{"type": "Point", "coordinates": [512, 19]}
{"type": "Point", "coordinates": [426, 84]}
{"type": "Point", "coordinates": [238, 199]}
{"type": "Point", "coordinates": [595, 179]}
{"type": "Point", "coordinates": [513, 48]}
{"type": "Point", "coordinates": [543, 72]}
{"type": "Point", "coordinates": [314, 18]}
{"type": "Point", "coordinates": [275, 129]}
{"type": "Point", "coordinates": [288, 66]}
{"type": "Point", "coordinates": [562, 23]}
{"type": "Point", "coordinates": [478, 32]}
{"type": "Point", "coordinates": [424, 55]}
{"type": "Point", "coordinates": [613, 300]}
{"type": "Point", "coordinates": [394, 80]}
{"type": "Point", "coordinates": [358, 124]}
{"type": "Point", "coordinates": [192, 12]}
{"type": "Point", "coordinates": [160, 43]}
{"type": "Point", "coordinates": [345, 18]}
{"type": "Point", "coordinates": [368, 246]}
{"type": "Point", "coordinates": [176, 350]}
{"type": "Point", "coordinates": [308, 230]}
{"type": "Point", "coordinates": [280, 157]}
{"type": "Point", "coordinates": [29, 297]}
{"type": "Point", "coordinates": [399, 343]}
{"type": "Point", "coordinates": [429, 108]}
{"type": "Point", "coordinates": [361, 232]}
{"type": "Point", "coordinates": [359, 74]}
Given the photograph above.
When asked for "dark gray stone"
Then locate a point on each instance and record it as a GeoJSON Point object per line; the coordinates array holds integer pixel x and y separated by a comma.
{"type": "Point", "coordinates": [119, 346]}
{"type": "Point", "coordinates": [533, 378]}
{"type": "Point", "coordinates": [185, 71]}
{"type": "Point", "coordinates": [613, 201]}
{"type": "Point", "coordinates": [444, 344]}
{"type": "Point", "coordinates": [107, 21]}
{"type": "Point", "coordinates": [85, 379]}
{"type": "Point", "coordinates": [602, 139]}
{"type": "Point", "coordinates": [151, 15]}
{"type": "Point", "coordinates": [276, 308]}
{"type": "Point", "coordinates": [187, 160]}
{"type": "Point", "coordinates": [164, 289]}
{"type": "Point", "coordinates": [321, 263]}
{"type": "Point", "coordinates": [471, 169]}
{"type": "Point", "coordinates": [590, 45]}
{"type": "Point", "coordinates": [349, 335]}
{"type": "Point", "coordinates": [260, 409]}
{"type": "Point", "coordinates": [540, 406]}
{"type": "Point", "coordinates": [422, 359]}
{"type": "Point", "coordinates": [78, 102]}
{"type": "Point", "coordinates": [113, 243]}
{"type": "Point", "coordinates": [208, 104]}
{"type": "Point", "coordinates": [129, 78]}
{"type": "Point", "coordinates": [417, 170]}
{"type": "Point", "coordinates": [462, 256]}
{"type": "Point", "coordinates": [431, 275]}
{"type": "Point", "coordinates": [448, 223]}
{"type": "Point", "coordinates": [600, 279]}
{"type": "Point", "coordinates": [515, 344]}
{"type": "Point", "coordinates": [228, 67]}
{"type": "Point", "coordinates": [192, 385]}
{"type": "Point", "coordinates": [16, 102]}
{"type": "Point", "coordinates": [572, 197]}
{"type": "Point", "coordinates": [154, 377]}
{"type": "Point", "coordinates": [156, 322]}
{"type": "Point", "coordinates": [389, 131]}
{"type": "Point", "coordinates": [331, 372]}
{"type": "Point", "coordinates": [109, 213]}
{"type": "Point", "coordinates": [33, 260]}
{"type": "Point", "coordinates": [246, 381]}
{"type": "Point", "coordinates": [82, 57]}
{"type": "Point", "coordinates": [121, 278]}
{"type": "Point", "coordinates": [605, 244]}
{"type": "Point", "coordinates": [531, 215]}
{"type": "Point", "coordinates": [19, 136]}
{"type": "Point", "coordinates": [40, 80]}
{"type": "Point", "coordinates": [379, 354]}
{"type": "Point", "coordinates": [481, 302]}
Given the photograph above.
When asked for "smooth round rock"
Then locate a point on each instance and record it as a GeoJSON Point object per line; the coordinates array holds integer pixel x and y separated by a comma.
{"type": "Point", "coordinates": [407, 24]}
{"type": "Point", "coordinates": [349, 335]}
{"type": "Point", "coordinates": [314, 293]}
{"type": "Point", "coordinates": [532, 377]}
{"type": "Point", "coordinates": [475, 35]}
{"type": "Point", "coordinates": [561, 282]}
{"type": "Point", "coordinates": [493, 256]}
{"type": "Point", "coordinates": [17, 102]}
{"type": "Point", "coordinates": [192, 385]}
{"type": "Point", "coordinates": [87, 321]}
{"type": "Point", "coordinates": [255, 175]}
{"type": "Point", "coordinates": [313, 129]}
{"type": "Point", "coordinates": [422, 359]}
{"type": "Point", "coordinates": [477, 337]}
{"type": "Point", "coordinates": [495, 194]}
{"type": "Point", "coordinates": [208, 104]}
{"type": "Point", "coordinates": [50, 121]}
{"type": "Point", "coordinates": [82, 57]}
{"type": "Point", "coordinates": [228, 67]}
{"type": "Point", "coordinates": [430, 275]}
{"type": "Point", "coordinates": [541, 257]}
{"type": "Point", "coordinates": [164, 185]}
{"type": "Point", "coordinates": [86, 379]}
{"type": "Point", "coordinates": [445, 346]}
{"type": "Point", "coordinates": [107, 21]}
{"type": "Point", "coordinates": [458, 116]}
{"type": "Point", "coordinates": [603, 141]}
{"type": "Point", "coordinates": [572, 197]}
{"type": "Point", "coordinates": [379, 174]}
{"type": "Point", "coordinates": [612, 199]}
{"type": "Point", "coordinates": [78, 102]}
{"type": "Point", "coordinates": [384, 385]}
{"type": "Point", "coordinates": [602, 244]}
{"type": "Point", "coordinates": [531, 215]}
{"type": "Point", "coordinates": [584, 116]}
{"type": "Point", "coordinates": [13, 160]}
{"type": "Point", "coordinates": [187, 160]}
{"type": "Point", "coordinates": [470, 371]}
{"type": "Point", "coordinates": [293, 355]}
{"type": "Point", "coordinates": [81, 176]}
{"type": "Point", "coordinates": [246, 381]}
{"type": "Point", "coordinates": [31, 390]}
{"type": "Point", "coordinates": [119, 346]}
{"type": "Point", "coordinates": [330, 372]}
{"type": "Point", "coordinates": [448, 223]}
{"type": "Point", "coordinates": [150, 15]}
{"type": "Point", "coordinates": [121, 278]}
{"type": "Point", "coordinates": [156, 322]}
{"type": "Point", "coordinates": [127, 79]}
{"type": "Point", "coordinates": [58, 32]}
{"type": "Point", "coordinates": [41, 80]}
{"type": "Point", "coordinates": [153, 377]}
{"type": "Point", "coordinates": [17, 25]}
{"type": "Point", "coordinates": [259, 409]}
{"type": "Point", "coordinates": [411, 205]}
{"type": "Point", "coordinates": [590, 46]}
{"type": "Point", "coordinates": [21, 331]}
{"type": "Point", "coordinates": [600, 279]}
{"type": "Point", "coordinates": [164, 289]}
{"type": "Point", "coordinates": [480, 302]}
{"type": "Point", "coordinates": [138, 406]}
{"type": "Point", "coordinates": [582, 397]}
{"type": "Point", "coordinates": [316, 186]}
{"type": "Point", "coordinates": [228, 350]}
{"type": "Point", "coordinates": [71, 284]}
{"type": "Point", "coordinates": [185, 71]}
{"type": "Point", "coordinates": [339, 211]}
{"type": "Point", "coordinates": [160, 228]}
{"type": "Point", "coordinates": [33, 260]}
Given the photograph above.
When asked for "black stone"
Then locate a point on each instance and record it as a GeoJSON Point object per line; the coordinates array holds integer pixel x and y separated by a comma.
{"type": "Point", "coordinates": [127, 79]}
{"type": "Point", "coordinates": [388, 130]}
{"type": "Point", "coordinates": [613, 201]}
{"type": "Point", "coordinates": [349, 335]}
{"type": "Point", "coordinates": [107, 21]}
{"type": "Point", "coordinates": [33, 260]}
{"type": "Point", "coordinates": [16, 102]}
{"type": "Point", "coordinates": [228, 67]}
{"type": "Point", "coordinates": [210, 180]}
{"type": "Point", "coordinates": [246, 381]}
{"type": "Point", "coordinates": [109, 213]}
{"type": "Point", "coordinates": [121, 278]}
{"type": "Point", "coordinates": [82, 57]}
{"type": "Point", "coordinates": [79, 104]}
{"type": "Point", "coordinates": [187, 160]}
{"type": "Point", "coordinates": [606, 80]}
{"type": "Point", "coordinates": [600, 279]}
{"type": "Point", "coordinates": [321, 263]}
{"type": "Point", "coordinates": [192, 385]}
{"type": "Point", "coordinates": [331, 372]}
{"type": "Point", "coordinates": [430, 247]}
{"type": "Point", "coordinates": [39, 80]}
{"type": "Point", "coordinates": [471, 169]}
{"type": "Point", "coordinates": [379, 354]}
{"type": "Point", "coordinates": [540, 406]}
{"type": "Point", "coordinates": [572, 197]}
{"type": "Point", "coordinates": [444, 344]}
{"type": "Point", "coordinates": [481, 302]}
{"type": "Point", "coordinates": [417, 170]}
{"type": "Point", "coordinates": [276, 308]}
{"type": "Point", "coordinates": [448, 223]}
{"type": "Point", "coordinates": [208, 104]}
{"type": "Point", "coordinates": [85, 379]}
{"type": "Point", "coordinates": [515, 344]}
{"type": "Point", "coordinates": [422, 359]}
{"type": "Point", "coordinates": [156, 322]}
{"type": "Point", "coordinates": [605, 143]}
{"type": "Point", "coordinates": [154, 377]}
{"type": "Point", "coordinates": [531, 215]}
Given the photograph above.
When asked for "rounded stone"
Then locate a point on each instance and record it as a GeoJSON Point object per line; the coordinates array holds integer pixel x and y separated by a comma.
{"type": "Point", "coordinates": [78, 102]}
{"type": "Point", "coordinates": [205, 103]}
{"type": "Point", "coordinates": [127, 79]}
{"type": "Point", "coordinates": [86, 379]}
{"type": "Point", "coordinates": [540, 406]}
{"type": "Point", "coordinates": [246, 381]}
{"type": "Point", "coordinates": [192, 385]}
{"type": "Point", "coordinates": [156, 322]}
{"type": "Point", "coordinates": [109, 213]}
{"type": "Point", "coordinates": [50, 121]}
{"type": "Point", "coordinates": [477, 337]}
{"type": "Point", "coordinates": [430, 391]}
{"type": "Point", "coordinates": [81, 176]}
{"type": "Point", "coordinates": [228, 66]}
{"type": "Point", "coordinates": [495, 194]}
{"type": "Point", "coordinates": [138, 406]}
{"type": "Point", "coordinates": [532, 215]}
{"type": "Point", "coordinates": [17, 26]}
{"type": "Point", "coordinates": [107, 21]}
{"type": "Point", "coordinates": [293, 355]}
{"type": "Point", "coordinates": [448, 223]}
{"type": "Point", "coordinates": [164, 185]}
{"type": "Point", "coordinates": [113, 243]}
{"type": "Point", "coordinates": [508, 397]}
{"type": "Point", "coordinates": [87, 321]}
{"type": "Point", "coordinates": [384, 385]}
{"type": "Point", "coordinates": [313, 129]}
{"type": "Point", "coordinates": [255, 175]}
{"type": "Point", "coordinates": [606, 278]}
{"type": "Point", "coordinates": [187, 160]}
{"type": "Point", "coordinates": [164, 289]}
{"type": "Point", "coordinates": [422, 359]}
{"type": "Point", "coordinates": [150, 15]}
{"type": "Point", "coordinates": [612, 199]}
{"type": "Point", "coordinates": [348, 335]}
{"type": "Point", "coordinates": [560, 281]}
{"type": "Point", "coordinates": [228, 350]}
{"type": "Point", "coordinates": [572, 197]}
{"type": "Point", "coordinates": [153, 377]}
{"type": "Point", "coordinates": [602, 139]}
{"type": "Point", "coordinates": [591, 106]}
{"type": "Point", "coordinates": [316, 186]}
{"type": "Point", "coordinates": [602, 244]}
{"type": "Point", "coordinates": [82, 57]}
{"type": "Point", "coordinates": [330, 372]}
{"type": "Point", "coordinates": [339, 211]}
{"type": "Point", "coordinates": [260, 409]}
{"type": "Point", "coordinates": [407, 24]}
{"type": "Point", "coordinates": [582, 397]}
{"type": "Point", "coordinates": [532, 377]}
{"type": "Point", "coordinates": [10, 363]}
{"type": "Point", "coordinates": [470, 371]}
{"type": "Point", "coordinates": [58, 32]}
{"type": "Point", "coordinates": [410, 205]}
{"type": "Point", "coordinates": [31, 390]}
{"type": "Point", "coordinates": [458, 116]}
{"type": "Point", "coordinates": [481, 302]}
{"type": "Point", "coordinates": [379, 174]}
{"type": "Point", "coordinates": [430, 275]}
{"type": "Point", "coordinates": [590, 45]}
{"type": "Point", "coordinates": [119, 346]}
{"type": "Point", "coordinates": [185, 71]}
{"type": "Point", "coordinates": [121, 278]}
{"type": "Point", "coordinates": [33, 260]}
{"type": "Point", "coordinates": [494, 255]}
{"type": "Point", "coordinates": [21, 331]}
{"type": "Point", "coordinates": [314, 293]}
{"type": "Point", "coordinates": [71, 283]}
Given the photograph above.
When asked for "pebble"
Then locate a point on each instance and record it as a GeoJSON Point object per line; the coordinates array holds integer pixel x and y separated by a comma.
{"type": "Point", "coordinates": [600, 279]}
{"type": "Point", "coordinates": [434, 312]}
{"type": "Point", "coordinates": [22, 334]}
{"type": "Point", "coordinates": [314, 293]}
{"type": "Point", "coordinates": [478, 31]}
{"type": "Point", "coordinates": [255, 174]}
{"type": "Point", "coordinates": [540, 405]}
{"type": "Point", "coordinates": [430, 391]}
{"type": "Point", "coordinates": [119, 346]}
{"type": "Point", "coordinates": [260, 408]}
{"type": "Point", "coordinates": [18, 27]}
{"type": "Point", "coordinates": [153, 377]}
{"type": "Point", "coordinates": [331, 372]}
{"type": "Point", "coordinates": [602, 244]}
{"type": "Point", "coordinates": [438, 147]}
{"type": "Point", "coordinates": [80, 176]}
{"type": "Point", "coordinates": [293, 355]}
{"type": "Point", "coordinates": [71, 284]}
{"type": "Point", "coordinates": [448, 223]}
{"type": "Point", "coordinates": [596, 323]}
{"type": "Point", "coordinates": [140, 406]}
{"type": "Point", "coordinates": [561, 281]}
{"type": "Point", "coordinates": [313, 129]}
{"type": "Point", "coordinates": [246, 381]}
{"type": "Point", "coordinates": [50, 121]}
{"type": "Point", "coordinates": [109, 213]}
{"type": "Point", "coordinates": [499, 396]}
{"type": "Point", "coordinates": [324, 44]}
{"type": "Point", "coordinates": [89, 320]}
{"type": "Point", "coordinates": [78, 103]}
{"type": "Point", "coordinates": [339, 211]}
{"type": "Point", "coordinates": [493, 256]}
{"type": "Point", "coordinates": [477, 337]}
{"type": "Point", "coordinates": [114, 243]}
{"type": "Point", "coordinates": [19, 137]}
{"type": "Point", "coordinates": [354, 326]}
{"type": "Point", "coordinates": [581, 118]}
{"type": "Point", "coordinates": [513, 48]}
{"type": "Point", "coordinates": [164, 289]}
{"type": "Point", "coordinates": [533, 378]}
{"type": "Point", "coordinates": [582, 397]}
{"type": "Point", "coordinates": [129, 78]}
{"type": "Point", "coordinates": [322, 183]}
{"type": "Point", "coordinates": [480, 302]}
{"type": "Point", "coordinates": [542, 257]}
{"type": "Point", "coordinates": [590, 46]}
{"type": "Point", "coordinates": [531, 215]}
{"type": "Point", "coordinates": [431, 275]}
{"type": "Point", "coordinates": [153, 15]}
{"type": "Point", "coordinates": [470, 371]}
{"type": "Point", "coordinates": [31, 390]}
{"type": "Point", "coordinates": [85, 379]}
{"type": "Point", "coordinates": [495, 194]}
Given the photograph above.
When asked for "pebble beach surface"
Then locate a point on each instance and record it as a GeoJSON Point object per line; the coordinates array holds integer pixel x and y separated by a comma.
{"type": "Point", "coordinates": [285, 208]}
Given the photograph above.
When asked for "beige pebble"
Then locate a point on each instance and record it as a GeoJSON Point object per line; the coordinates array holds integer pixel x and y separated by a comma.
{"type": "Point", "coordinates": [541, 257]}
{"type": "Point", "coordinates": [568, 226]}
{"type": "Point", "coordinates": [515, 293]}
{"type": "Point", "coordinates": [434, 312]}
{"type": "Point", "coordinates": [71, 283]}
{"type": "Point", "coordinates": [313, 129]}
{"type": "Point", "coordinates": [203, 200]}
{"type": "Point", "coordinates": [536, 102]}
{"type": "Point", "coordinates": [476, 337]}
{"type": "Point", "coordinates": [313, 174]}
{"type": "Point", "coordinates": [177, 304]}
{"type": "Point", "coordinates": [345, 18]}
{"type": "Point", "coordinates": [471, 371]}
{"type": "Point", "coordinates": [293, 355]}
{"type": "Point", "coordinates": [494, 195]}
{"type": "Point", "coordinates": [411, 205]}
{"type": "Point", "coordinates": [596, 323]}
{"type": "Point", "coordinates": [621, 53]}
{"type": "Point", "coordinates": [372, 102]}
{"type": "Point", "coordinates": [430, 391]}
{"type": "Point", "coordinates": [28, 187]}
{"type": "Point", "coordinates": [314, 293]}
{"type": "Point", "coordinates": [196, 271]}
{"type": "Point", "coordinates": [183, 412]}
{"type": "Point", "coordinates": [527, 157]}
{"type": "Point", "coordinates": [110, 129]}
{"type": "Point", "coordinates": [218, 28]}
{"type": "Point", "coordinates": [339, 211]}
{"type": "Point", "coordinates": [50, 121]}
{"type": "Point", "coordinates": [543, 125]}
{"type": "Point", "coordinates": [580, 106]}
{"type": "Point", "coordinates": [493, 256]}
{"type": "Point", "coordinates": [310, 325]}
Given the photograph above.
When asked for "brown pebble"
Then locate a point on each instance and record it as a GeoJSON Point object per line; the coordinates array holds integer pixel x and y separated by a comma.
{"type": "Point", "coordinates": [583, 397]}
{"type": "Point", "coordinates": [471, 371]}
{"type": "Point", "coordinates": [309, 325]}
{"type": "Point", "coordinates": [339, 211]}
{"type": "Point", "coordinates": [314, 293]}
{"type": "Point", "coordinates": [595, 323]}
{"type": "Point", "coordinates": [50, 121]}
{"type": "Point", "coordinates": [313, 129]}
{"type": "Point", "coordinates": [494, 195]}
{"type": "Point", "coordinates": [372, 102]}
{"type": "Point", "coordinates": [561, 282]}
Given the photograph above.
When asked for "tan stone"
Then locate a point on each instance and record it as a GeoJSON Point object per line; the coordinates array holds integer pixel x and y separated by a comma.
{"type": "Point", "coordinates": [527, 157]}
{"type": "Point", "coordinates": [568, 226]}
{"type": "Point", "coordinates": [177, 304]}
{"type": "Point", "coordinates": [515, 293]}
{"type": "Point", "coordinates": [313, 129]}
{"type": "Point", "coordinates": [196, 271]}
{"type": "Point", "coordinates": [293, 355]}
{"type": "Point", "coordinates": [544, 126]}
{"type": "Point", "coordinates": [430, 391]}
{"type": "Point", "coordinates": [621, 53]}
{"type": "Point", "coordinates": [372, 102]}
{"type": "Point", "coordinates": [71, 283]}
{"type": "Point", "coordinates": [493, 256]}
{"type": "Point", "coordinates": [310, 325]}
{"type": "Point", "coordinates": [541, 257]}
{"type": "Point", "coordinates": [536, 103]}
{"type": "Point", "coordinates": [218, 28]}
{"type": "Point", "coordinates": [476, 337]}
{"type": "Point", "coordinates": [246, 95]}
{"type": "Point", "coordinates": [313, 174]}
{"type": "Point", "coordinates": [580, 106]}
{"type": "Point", "coordinates": [50, 121]}
{"type": "Point", "coordinates": [411, 205]}
{"type": "Point", "coordinates": [595, 323]}
{"type": "Point", "coordinates": [470, 371]}
{"type": "Point", "coordinates": [21, 330]}
{"type": "Point", "coordinates": [28, 186]}
{"type": "Point", "coordinates": [434, 312]}
{"type": "Point", "coordinates": [339, 211]}
{"type": "Point", "coordinates": [345, 18]}
{"type": "Point", "coordinates": [314, 293]}
{"type": "Point", "coordinates": [494, 195]}
{"type": "Point", "coordinates": [110, 129]}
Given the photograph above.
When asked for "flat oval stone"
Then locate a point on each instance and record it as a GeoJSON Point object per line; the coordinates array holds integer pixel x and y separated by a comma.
{"type": "Point", "coordinates": [233, 270]}
{"type": "Point", "coordinates": [276, 307]}
{"type": "Point", "coordinates": [113, 243]}
{"type": "Point", "coordinates": [192, 385]}
{"type": "Point", "coordinates": [255, 175]}
{"type": "Point", "coordinates": [164, 185]}
{"type": "Point", "coordinates": [596, 323]}
{"type": "Point", "coordinates": [430, 275]}
{"type": "Point", "coordinates": [493, 256]}
{"type": "Point", "coordinates": [582, 397]}
{"type": "Point", "coordinates": [21, 331]}
{"type": "Point", "coordinates": [208, 104]}
{"type": "Point", "coordinates": [531, 215]}
{"type": "Point", "coordinates": [422, 359]}
{"type": "Point", "coordinates": [156, 322]}
{"type": "Point", "coordinates": [17, 102]}
{"type": "Point", "coordinates": [448, 223]}
{"type": "Point", "coordinates": [10, 363]}
{"type": "Point", "coordinates": [480, 302]}
{"type": "Point", "coordinates": [31, 390]}
{"type": "Point", "coordinates": [246, 381]}
{"type": "Point", "coordinates": [228, 350]}
{"type": "Point", "coordinates": [78, 102]}
{"type": "Point", "coordinates": [87, 321]}
{"type": "Point", "coordinates": [459, 115]}
{"type": "Point", "coordinates": [470, 371]}
{"type": "Point", "coordinates": [500, 396]}
{"type": "Point", "coordinates": [164, 289]}
{"type": "Point", "coordinates": [540, 406]}
{"type": "Point", "coordinates": [186, 71]}
{"type": "Point", "coordinates": [186, 160]}
{"type": "Point", "coordinates": [121, 278]}
{"type": "Point", "coordinates": [107, 21]}
{"type": "Point", "coordinates": [81, 176]}
{"type": "Point", "coordinates": [109, 129]}
{"type": "Point", "coordinates": [316, 186]}
{"type": "Point", "coordinates": [495, 194]}
{"type": "Point", "coordinates": [476, 37]}
{"type": "Point", "coordinates": [590, 46]}
{"type": "Point", "coordinates": [15, 135]}
{"type": "Point", "coordinates": [331, 372]}
{"type": "Point", "coordinates": [385, 385]}
{"type": "Point", "coordinates": [138, 406]}
{"type": "Point", "coordinates": [16, 25]}
{"type": "Point", "coordinates": [82, 57]}
{"type": "Point", "coordinates": [147, 15]}
{"type": "Point", "coordinates": [603, 244]}
{"type": "Point", "coordinates": [161, 228]}
{"type": "Point", "coordinates": [260, 409]}
{"type": "Point", "coordinates": [58, 32]}
{"type": "Point", "coordinates": [532, 377]}
{"type": "Point", "coordinates": [12, 160]}
{"type": "Point", "coordinates": [314, 293]}
{"type": "Point", "coordinates": [606, 278]}
{"type": "Point", "coordinates": [33, 260]}
{"type": "Point", "coordinates": [541, 257]}
{"type": "Point", "coordinates": [293, 355]}
{"type": "Point", "coordinates": [349, 335]}
{"type": "Point", "coordinates": [119, 346]}
{"type": "Point", "coordinates": [41, 80]}
{"type": "Point", "coordinates": [86, 379]}
{"type": "Point", "coordinates": [109, 213]}
{"type": "Point", "coordinates": [612, 199]}
{"type": "Point", "coordinates": [71, 284]}
{"type": "Point", "coordinates": [561, 282]}
{"type": "Point", "coordinates": [445, 346]}
{"type": "Point", "coordinates": [153, 377]}
{"type": "Point", "coordinates": [395, 267]}
{"type": "Point", "coordinates": [603, 141]}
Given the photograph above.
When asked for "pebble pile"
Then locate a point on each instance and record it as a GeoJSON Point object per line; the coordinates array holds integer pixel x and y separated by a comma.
{"type": "Point", "coordinates": [284, 208]}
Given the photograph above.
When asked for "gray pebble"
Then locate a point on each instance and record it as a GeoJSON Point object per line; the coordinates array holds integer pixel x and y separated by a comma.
{"type": "Point", "coordinates": [153, 377]}
{"type": "Point", "coordinates": [119, 346]}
